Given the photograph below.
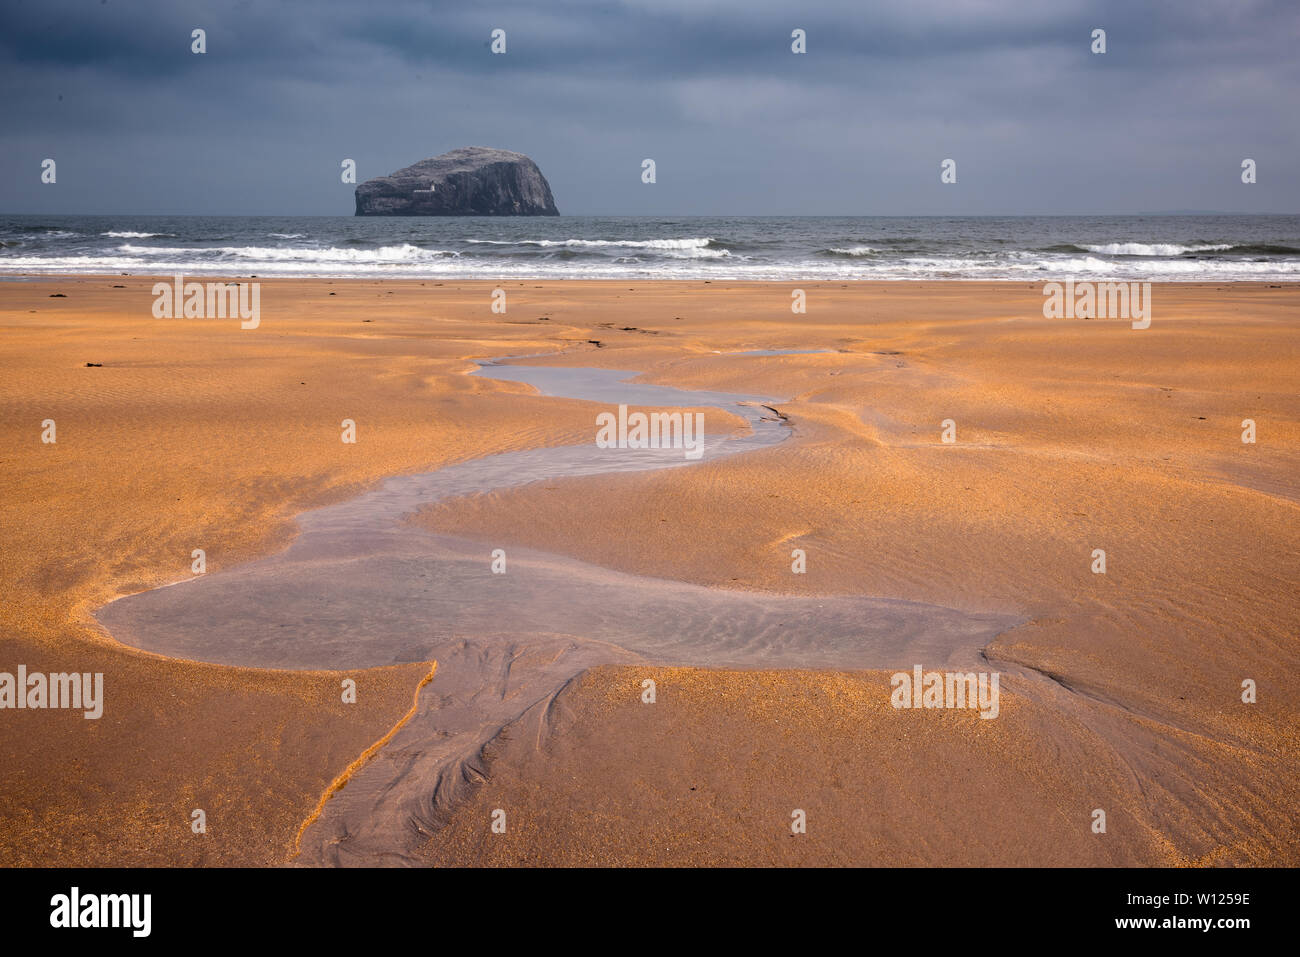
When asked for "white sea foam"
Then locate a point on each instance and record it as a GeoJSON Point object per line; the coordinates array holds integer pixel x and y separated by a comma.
{"type": "Point", "coordinates": [332, 254]}
{"type": "Point", "coordinates": [783, 251]}
{"type": "Point", "coordinates": [688, 243]}
{"type": "Point", "coordinates": [1153, 249]}
{"type": "Point", "coordinates": [412, 263]}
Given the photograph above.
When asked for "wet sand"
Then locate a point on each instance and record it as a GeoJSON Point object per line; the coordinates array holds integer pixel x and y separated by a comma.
{"type": "Point", "coordinates": [361, 586]}
{"type": "Point", "coordinates": [1122, 690]}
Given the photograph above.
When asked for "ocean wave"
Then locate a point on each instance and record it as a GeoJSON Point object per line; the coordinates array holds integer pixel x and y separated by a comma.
{"type": "Point", "coordinates": [1153, 249]}
{"type": "Point", "coordinates": [35, 231]}
{"type": "Point", "coordinates": [419, 264]}
{"type": "Point", "coordinates": [332, 254]}
{"type": "Point", "coordinates": [782, 250]}
{"type": "Point", "coordinates": [688, 243]}
{"type": "Point", "coordinates": [1175, 250]}
{"type": "Point", "coordinates": [853, 251]}
{"type": "Point", "coordinates": [1263, 249]}
{"type": "Point", "coordinates": [701, 254]}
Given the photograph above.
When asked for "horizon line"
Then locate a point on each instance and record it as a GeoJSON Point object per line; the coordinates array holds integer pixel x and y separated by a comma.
{"type": "Point", "coordinates": [1194, 212]}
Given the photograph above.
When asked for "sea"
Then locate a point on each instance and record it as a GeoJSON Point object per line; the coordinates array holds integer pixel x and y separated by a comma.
{"type": "Point", "coordinates": [1163, 248]}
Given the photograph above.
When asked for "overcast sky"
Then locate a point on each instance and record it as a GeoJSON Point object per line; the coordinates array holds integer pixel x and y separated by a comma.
{"type": "Point", "coordinates": [736, 122]}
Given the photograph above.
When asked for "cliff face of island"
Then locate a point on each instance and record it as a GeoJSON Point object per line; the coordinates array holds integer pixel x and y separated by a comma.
{"type": "Point", "coordinates": [473, 181]}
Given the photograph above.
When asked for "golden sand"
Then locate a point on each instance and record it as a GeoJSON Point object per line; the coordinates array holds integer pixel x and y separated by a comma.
{"type": "Point", "coordinates": [1071, 435]}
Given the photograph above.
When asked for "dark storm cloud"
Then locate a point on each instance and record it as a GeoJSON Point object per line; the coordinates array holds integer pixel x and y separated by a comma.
{"type": "Point", "coordinates": [711, 91]}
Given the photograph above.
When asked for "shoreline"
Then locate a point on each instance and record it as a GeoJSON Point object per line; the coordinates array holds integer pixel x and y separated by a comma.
{"type": "Point", "coordinates": [948, 248]}
{"type": "Point", "coordinates": [605, 281]}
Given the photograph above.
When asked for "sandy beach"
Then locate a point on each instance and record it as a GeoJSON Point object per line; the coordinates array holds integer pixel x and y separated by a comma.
{"type": "Point", "coordinates": [1121, 691]}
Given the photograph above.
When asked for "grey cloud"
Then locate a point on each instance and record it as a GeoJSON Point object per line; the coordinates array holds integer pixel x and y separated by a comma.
{"type": "Point", "coordinates": [737, 123]}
